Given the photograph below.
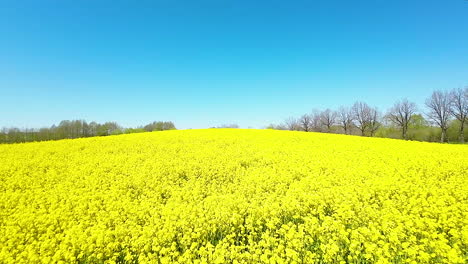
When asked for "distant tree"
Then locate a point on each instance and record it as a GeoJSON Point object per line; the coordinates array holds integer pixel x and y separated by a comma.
{"type": "Point", "coordinates": [3, 135]}
{"type": "Point", "coordinates": [159, 126]}
{"type": "Point", "coordinates": [228, 126]}
{"type": "Point", "coordinates": [53, 135]}
{"type": "Point", "coordinates": [345, 119]}
{"type": "Point", "coordinates": [305, 122]}
{"type": "Point", "coordinates": [401, 114]}
{"type": "Point", "coordinates": [77, 128]}
{"type": "Point", "coordinates": [316, 121]}
{"type": "Point", "coordinates": [361, 113]}
{"type": "Point", "coordinates": [328, 119]}
{"type": "Point", "coordinates": [277, 127]}
{"type": "Point", "coordinates": [117, 132]}
{"type": "Point", "coordinates": [366, 118]}
{"type": "Point", "coordinates": [292, 124]}
{"type": "Point", "coordinates": [93, 129]}
{"type": "Point", "coordinates": [44, 134]}
{"type": "Point", "coordinates": [63, 129]}
{"type": "Point", "coordinates": [72, 129]}
{"type": "Point", "coordinates": [374, 121]}
{"type": "Point", "coordinates": [108, 128]}
{"type": "Point", "coordinates": [459, 108]}
{"type": "Point", "coordinates": [439, 111]}
{"type": "Point", "coordinates": [15, 135]}
{"type": "Point", "coordinates": [417, 121]}
{"type": "Point", "coordinates": [168, 125]}
{"type": "Point", "coordinates": [133, 130]}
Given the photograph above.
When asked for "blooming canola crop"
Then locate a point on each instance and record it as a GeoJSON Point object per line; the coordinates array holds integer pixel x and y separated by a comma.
{"type": "Point", "coordinates": [233, 196]}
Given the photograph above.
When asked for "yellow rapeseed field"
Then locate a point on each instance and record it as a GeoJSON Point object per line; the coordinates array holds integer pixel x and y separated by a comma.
{"type": "Point", "coordinates": [233, 196]}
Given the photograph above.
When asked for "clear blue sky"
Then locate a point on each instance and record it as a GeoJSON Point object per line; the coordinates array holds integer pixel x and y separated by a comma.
{"type": "Point", "coordinates": [208, 62]}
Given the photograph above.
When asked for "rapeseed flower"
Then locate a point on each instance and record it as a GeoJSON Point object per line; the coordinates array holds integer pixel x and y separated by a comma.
{"type": "Point", "coordinates": [233, 196]}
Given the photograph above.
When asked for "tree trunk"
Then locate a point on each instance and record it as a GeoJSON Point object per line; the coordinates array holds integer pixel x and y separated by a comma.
{"type": "Point", "coordinates": [462, 134]}
{"type": "Point", "coordinates": [404, 134]}
{"type": "Point", "coordinates": [442, 136]}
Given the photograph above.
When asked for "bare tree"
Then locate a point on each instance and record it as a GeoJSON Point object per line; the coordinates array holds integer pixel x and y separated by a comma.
{"type": "Point", "coordinates": [361, 112]}
{"type": "Point", "coordinates": [459, 109]}
{"type": "Point", "coordinates": [305, 121]}
{"type": "Point", "coordinates": [328, 119]}
{"type": "Point", "coordinates": [228, 126]}
{"type": "Point", "coordinates": [292, 124]}
{"type": "Point", "coordinates": [315, 121]}
{"type": "Point", "coordinates": [401, 114]}
{"type": "Point", "coordinates": [277, 127]}
{"type": "Point", "coordinates": [345, 119]}
{"type": "Point", "coordinates": [439, 111]}
{"type": "Point", "coordinates": [373, 120]}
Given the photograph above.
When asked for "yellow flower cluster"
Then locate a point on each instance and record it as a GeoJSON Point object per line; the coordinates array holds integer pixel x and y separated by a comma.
{"type": "Point", "coordinates": [233, 196]}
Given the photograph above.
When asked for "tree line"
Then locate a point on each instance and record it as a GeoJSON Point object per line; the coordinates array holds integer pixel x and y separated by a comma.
{"type": "Point", "coordinates": [76, 129]}
{"type": "Point", "coordinates": [443, 119]}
